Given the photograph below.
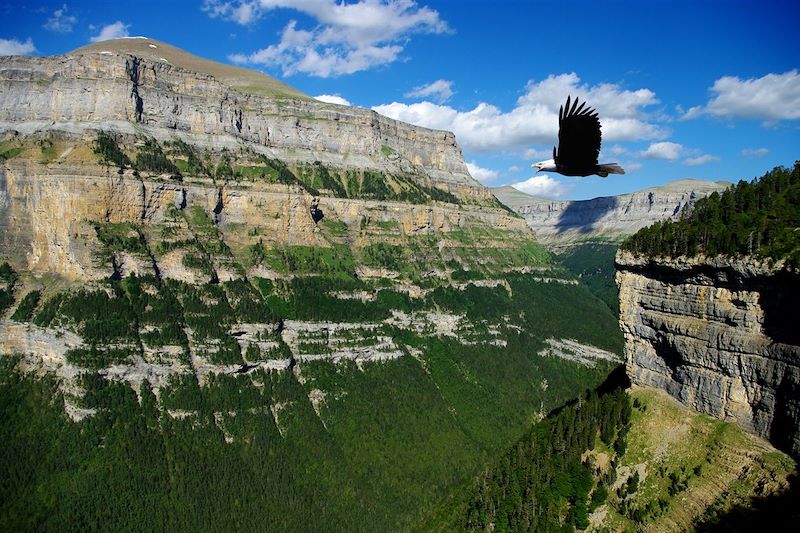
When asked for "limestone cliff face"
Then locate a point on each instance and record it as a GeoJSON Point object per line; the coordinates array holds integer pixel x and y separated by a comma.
{"type": "Point", "coordinates": [48, 203]}
{"type": "Point", "coordinates": [46, 211]}
{"type": "Point", "coordinates": [145, 95]}
{"type": "Point", "coordinates": [610, 217]}
{"type": "Point", "coordinates": [719, 335]}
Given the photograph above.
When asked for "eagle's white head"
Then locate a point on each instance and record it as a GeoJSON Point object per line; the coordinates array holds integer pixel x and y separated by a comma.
{"type": "Point", "coordinates": [548, 165]}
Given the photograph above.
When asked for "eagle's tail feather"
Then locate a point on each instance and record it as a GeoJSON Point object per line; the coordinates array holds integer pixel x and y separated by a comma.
{"type": "Point", "coordinates": [609, 168]}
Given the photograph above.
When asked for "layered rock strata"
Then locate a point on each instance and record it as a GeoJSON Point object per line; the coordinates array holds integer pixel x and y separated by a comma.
{"type": "Point", "coordinates": [46, 211]}
{"type": "Point", "coordinates": [115, 91]}
{"type": "Point", "coordinates": [720, 335]}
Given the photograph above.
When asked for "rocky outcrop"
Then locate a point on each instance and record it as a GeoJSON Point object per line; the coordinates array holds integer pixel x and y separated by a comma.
{"type": "Point", "coordinates": [610, 217]}
{"type": "Point", "coordinates": [718, 334]}
{"type": "Point", "coordinates": [137, 94]}
{"type": "Point", "coordinates": [571, 350]}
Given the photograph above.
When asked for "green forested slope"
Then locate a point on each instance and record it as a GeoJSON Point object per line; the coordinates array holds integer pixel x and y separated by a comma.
{"type": "Point", "coordinates": [345, 382]}
{"type": "Point", "coordinates": [250, 452]}
{"type": "Point", "coordinates": [593, 264]}
{"type": "Point", "coordinates": [544, 481]}
{"type": "Point", "coordinates": [627, 460]}
{"type": "Point", "coordinates": [759, 218]}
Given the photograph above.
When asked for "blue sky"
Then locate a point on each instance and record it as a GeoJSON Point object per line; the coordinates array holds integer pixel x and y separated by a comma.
{"type": "Point", "coordinates": [701, 89]}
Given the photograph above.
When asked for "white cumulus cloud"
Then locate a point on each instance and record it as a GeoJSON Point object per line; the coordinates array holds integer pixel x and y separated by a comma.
{"type": "Point", "coordinates": [439, 90]}
{"type": "Point", "coordinates": [115, 30]}
{"type": "Point", "coordinates": [663, 150]}
{"type": "Point", "coordinates": [484, 175]}
{"type": "Point", "coordinates": [755, 152]}
{"type": "Point", "coordinates": [13, 47]}
{"type": "Point", "coordinates": [770, 98]}
{"type": "Point", "coordinates": [346, 37]}
{"type": "Point", "coordinates": [542, 185]}
{"type": "Point", "coordinates": [534, 119]}
{"type": "Point", "coordinates": [701, 160]}
{"type": "Point", "coordinates": [332, 99]}
{"type": "Point", "coordinates": [60, 21]}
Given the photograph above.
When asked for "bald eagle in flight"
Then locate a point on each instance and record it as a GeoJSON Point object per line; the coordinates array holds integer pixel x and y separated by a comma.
{"type": "Point", "coordinates": [578, 144]}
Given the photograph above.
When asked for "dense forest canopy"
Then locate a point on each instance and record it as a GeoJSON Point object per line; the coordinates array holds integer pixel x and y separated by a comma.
{"type": "Point", "coordinates": [252, 451]}
{"type": "Point", "coordinates": [544, 482]}
{"type": "Point", "coordinates": [760, 218]}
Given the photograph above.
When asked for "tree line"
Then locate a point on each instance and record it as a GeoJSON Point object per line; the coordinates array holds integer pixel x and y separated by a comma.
{"type": "Point", "coordinates": [760, 218]}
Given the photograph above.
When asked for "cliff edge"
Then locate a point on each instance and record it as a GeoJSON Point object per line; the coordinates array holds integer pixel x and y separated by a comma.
{"type": "Point", "coordinates": [717, 334]}
{"type": "Point", "coordinates": [707, 306]}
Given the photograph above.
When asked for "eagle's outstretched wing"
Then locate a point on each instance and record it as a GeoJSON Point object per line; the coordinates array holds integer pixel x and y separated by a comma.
{"type": "Point", "coordinates": [578, 136]}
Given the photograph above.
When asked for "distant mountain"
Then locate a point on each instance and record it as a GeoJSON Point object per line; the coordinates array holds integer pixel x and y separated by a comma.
{"type": "Point", "coordinates": [514, 198]}
{"type": "Point", "coordinates": [612, 218]}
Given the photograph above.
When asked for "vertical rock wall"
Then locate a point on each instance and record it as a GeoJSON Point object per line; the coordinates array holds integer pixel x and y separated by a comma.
{"type": "Point", "coordinates": [721, 336]}
{"type": "Point", "coordinates": [137, 95]}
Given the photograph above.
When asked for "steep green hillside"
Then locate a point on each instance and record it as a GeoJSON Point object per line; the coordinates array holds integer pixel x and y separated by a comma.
{"type": "Point", "coordinates": [227, 362]}
{"type": "Point", "coordinates": [593, 264]}
{"type": "Point", "coordinates": [544, 482]}
{"type": "Point", "coordinates": [358, 445]}
{"type": "Point", "coordinates": [631, 460]}
{"type": "Point", "coordinates": [683, 470]}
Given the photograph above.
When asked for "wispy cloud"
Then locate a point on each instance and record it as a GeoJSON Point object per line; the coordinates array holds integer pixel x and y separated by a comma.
{"type": "Point", "coordinates": [484, 175]}
{"type": "Point", "coordinates": [770, 98]}
{"type": "Point", "coordinates": [332, 99]}
{"type": "Point", "coordinates": [701, 160]}
{"type": "Point", "coordinates": [537, 153]}
{"type": "Point", "coordinates": [13, 47]}
{"type": "Point", "coordinates": [115, 30]}
{"type": "Point", "coordinates": [439, 90]}
{"type": "Point", "coordinates": [346, 38]}
{"type": "Point", "coordinates": [755, 152]}
{"type": "Point", "coordinates": [542, 185]}
{"type": "Point", "coordinates": [243, 13]}
{"type": "Point", "coordinates": [617, 150]}
{"type": "Point", "coordinates": [60, 21]}
{"type": "Point", "coordinates": [673, 151]}
{"type": "Point", "coordinates": [534, 120]}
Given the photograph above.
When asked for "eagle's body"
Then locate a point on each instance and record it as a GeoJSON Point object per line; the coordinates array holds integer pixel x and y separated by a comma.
{"type": "Point", "coordinates": [579, 141]}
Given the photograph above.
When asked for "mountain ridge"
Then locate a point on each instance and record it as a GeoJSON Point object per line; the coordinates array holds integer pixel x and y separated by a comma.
{"type": "Point", "coordinates": [677, 185]}
{"type": "Point", "coordinates": [565, 223]}
{"type": "Point", "coordinates": [141, 94]}
{"type": "Point", "coordinates": [246, 80]}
